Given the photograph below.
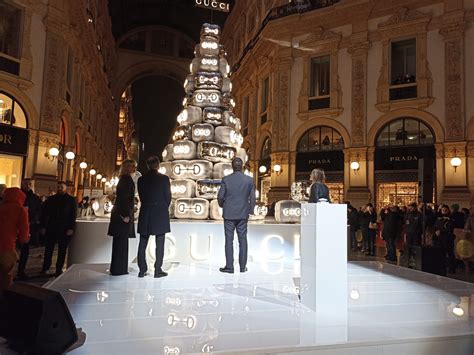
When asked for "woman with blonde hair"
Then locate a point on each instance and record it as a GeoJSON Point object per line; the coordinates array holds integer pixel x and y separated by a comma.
{"type": "Point", "coordinates": [121, 225]}
{"type": "Point", "coordinates": [318, 189]}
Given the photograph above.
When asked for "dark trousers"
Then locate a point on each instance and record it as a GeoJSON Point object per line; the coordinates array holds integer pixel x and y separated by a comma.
{"type": "Point", "coordinates": [353, 239]}
{"type": "Point", "coordinates": [371, 234]}
{"type": "Point", "coordinates": [230, 225]}
{"type": "Point", "coordinates": [24, 253]}
{"type": "Point", "coordinates": [414, 239]}
{"type": "Point", "coordinates": [447, 244]}
{"type": "Point", "coordinates": [391, 249]}
{"type": "Point", "coordinates": [119, 262]}
{"type": "Point", "coordinates": [159, 252]}
{"type": "Point", "coordinates": [51, 240]}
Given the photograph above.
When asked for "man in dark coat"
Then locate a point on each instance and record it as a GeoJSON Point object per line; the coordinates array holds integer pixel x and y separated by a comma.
{"type": "Point", "coordinates": [155, 196]}
{"type": "Point", "coordinates": [237, 198]}
{"type": "Point", "coordinates": [414, 223]}
{"type": "Point", "coordinates": [58, 220]}
{"type": "Point", "coordinates": [33, 204]}
{"type": "Point", "coordinates": [392, 226]}
{"type": "Point", "coordinates": [353, 222]}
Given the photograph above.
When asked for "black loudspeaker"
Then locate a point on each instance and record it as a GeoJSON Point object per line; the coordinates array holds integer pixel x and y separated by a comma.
{"type": "Point", "coordinates": [425, 179]}
{"type": "Point", "coordinates": [37, 320]}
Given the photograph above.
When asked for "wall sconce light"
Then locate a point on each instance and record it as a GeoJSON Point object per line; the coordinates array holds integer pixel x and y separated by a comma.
{"type": "Point", "coordinates": [104, 179]}
{"type": "Point", "coordinates": [83, 165]}
{"type": "Point", "coordinates": [458, 311]}
{"type": "Point", "coordinates": [277, 169]}
{"type": "Point", "coordinates": [456, 161]}
{"type": "Point", "coordinates": [52, 153]}
{"type": "Point", "coordinates": [70, 155]}
{"type": "Point", "coordinates": [262, 169]}
{"type": "Point", "coordinates": [99, 176]}
{"type": "Point", "coordinates": [92, 172]}
{"type": "Point", "coordinates": [355, 166]}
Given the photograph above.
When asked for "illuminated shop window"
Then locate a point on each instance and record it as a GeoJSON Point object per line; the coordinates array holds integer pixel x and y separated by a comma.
{"type": "Point", "coordinates": [10, 170]}
{"type": "Point", "coordinates": [11, 112]}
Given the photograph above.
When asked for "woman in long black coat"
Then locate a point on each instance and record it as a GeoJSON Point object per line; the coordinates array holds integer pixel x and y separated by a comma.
{"type": "Point", "coordinates": [121, 225]}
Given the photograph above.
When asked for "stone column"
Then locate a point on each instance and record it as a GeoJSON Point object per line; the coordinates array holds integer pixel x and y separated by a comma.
{"type": "Point", "coordinates": [358, 192]}
{"type": "Point", "coordinates": [280, 183]}
{"type": "Point", "coordinates": [453, 32]}
{"type": "Point", "coordinates": [455, 189]}
{"type": "Point", "coordinates": [358, 50]}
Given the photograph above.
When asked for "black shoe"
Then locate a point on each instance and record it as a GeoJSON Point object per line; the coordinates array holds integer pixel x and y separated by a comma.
{"type": "Point", "coordinates": [22, 276]}
{"type": "Point", "coordinates": [43, 273]}
{"type": "Point", "coordinates": [142, 274]}
{"type": "Point", "coordinates": [160, 274]}
{"type": "Point", "coordinates": [225, 269]}
{"type": "Point", "coordinates": [244, 269]}
{"type": "Point", "coordinates": [58, 273]}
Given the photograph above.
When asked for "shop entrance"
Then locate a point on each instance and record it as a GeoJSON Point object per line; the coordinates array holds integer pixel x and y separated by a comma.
{"type": "Point", "coordinates": [400, 147]}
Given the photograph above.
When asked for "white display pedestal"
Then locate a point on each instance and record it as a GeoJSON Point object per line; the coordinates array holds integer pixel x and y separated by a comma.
{"type": "Point", "coordinates": [324, 266]}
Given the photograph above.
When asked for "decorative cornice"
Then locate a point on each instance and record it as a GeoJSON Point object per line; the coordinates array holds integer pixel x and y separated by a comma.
{"type": "Point", "coordinates": [404, 15]}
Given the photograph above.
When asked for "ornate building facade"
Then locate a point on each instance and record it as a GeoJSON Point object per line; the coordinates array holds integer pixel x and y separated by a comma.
{"type": "Point", "coordinates": [127, 143]}
{"type": "Point", "coordinates": [378, 94]}
{"type": "Point", "coordinates": [57, 69]}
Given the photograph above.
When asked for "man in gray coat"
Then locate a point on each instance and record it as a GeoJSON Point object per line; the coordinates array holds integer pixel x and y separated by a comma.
{"type": "Point", "coordinates": [237, 198]}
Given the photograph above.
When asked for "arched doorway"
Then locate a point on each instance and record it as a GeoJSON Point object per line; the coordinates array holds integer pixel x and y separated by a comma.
{"type": "Point", "coordinates": [264, 170]}
{"type": "Point", "coordinates": [401, 146]}
{"type": "Point", "coordinates": [13, 140]}
{"type": "Point", "coordinates": [322, 147]}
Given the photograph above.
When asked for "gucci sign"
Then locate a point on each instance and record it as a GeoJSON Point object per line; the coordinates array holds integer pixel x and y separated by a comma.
{"type": "Point", "coordinates": [213, 5]}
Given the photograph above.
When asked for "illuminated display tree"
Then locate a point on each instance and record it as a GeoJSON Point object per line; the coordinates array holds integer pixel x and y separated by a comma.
{"type": "Point", "coordinates": [208, 135]}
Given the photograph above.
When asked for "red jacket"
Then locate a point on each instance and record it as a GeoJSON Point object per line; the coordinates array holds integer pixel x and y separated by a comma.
{"type": "Point", "coordinates": [13, 219]}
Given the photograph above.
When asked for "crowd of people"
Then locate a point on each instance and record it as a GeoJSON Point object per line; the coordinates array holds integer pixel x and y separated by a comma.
{"type": "Point", "coordinates": [26, 219]}
{"type": "Point", "coordinates": [414, 225]}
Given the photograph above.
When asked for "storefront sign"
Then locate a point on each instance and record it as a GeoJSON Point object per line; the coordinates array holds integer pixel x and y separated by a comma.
{"type": "Point", "coordinates": [405, 158]}
{"type": "Point", "coordinates": [328, 161]}
{"type": "Point", "coordinates": [13, 140]}
{"type": "Point", "coordinates": [213, 5]}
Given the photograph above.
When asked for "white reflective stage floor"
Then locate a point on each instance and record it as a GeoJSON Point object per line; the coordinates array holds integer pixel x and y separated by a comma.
{"type": "Point", "coordinates": [197, 309]}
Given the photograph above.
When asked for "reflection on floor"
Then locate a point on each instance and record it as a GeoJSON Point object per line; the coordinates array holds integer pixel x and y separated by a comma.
{"type": "Point", "coordinates": [197, 309]}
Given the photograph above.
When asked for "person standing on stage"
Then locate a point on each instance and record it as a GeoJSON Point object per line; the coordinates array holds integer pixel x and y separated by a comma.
{"type": "Point", "coordinates": [318, 189]}
{"type": "Point", "coordinates": [33, 204]}
{"type": "Point", "coordinates": [122, 226]}
{"type": "Point", "coordinates": [154, 190]}
{"type": "Point", "coordinates": [14, 227]}
{"type": "Point", "coordinates": [58, 220]}
{"type": "Point", "coordinates": [237, 198]}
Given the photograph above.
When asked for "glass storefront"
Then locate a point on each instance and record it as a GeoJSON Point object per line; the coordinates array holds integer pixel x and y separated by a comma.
{"type": "Point", "coordinates": [11, 170]}
{"type": "Point", "coordinates": [13, 140]}
{"type": "Point", "coordinates": [321, 147]}
{"type": "Point", "coordinates": [403, 146]}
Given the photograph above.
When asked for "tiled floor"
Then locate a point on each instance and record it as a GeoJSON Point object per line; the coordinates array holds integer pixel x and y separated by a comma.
{"type": "Point", "coordinates": [197, 309]}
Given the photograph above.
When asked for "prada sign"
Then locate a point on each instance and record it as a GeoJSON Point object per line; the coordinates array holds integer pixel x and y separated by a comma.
{"type": "Point", "coordinates": [328, 161]}
{"type": "Point", "coordinates": [405, 158]}
{"type": "Point", "coordinates": [13, 140]}
{"type": "Point", "coordinates": [213, 5]}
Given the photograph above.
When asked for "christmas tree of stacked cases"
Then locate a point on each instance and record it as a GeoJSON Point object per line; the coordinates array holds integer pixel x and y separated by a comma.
{"type": "Point", "coordinates": [208, 136]}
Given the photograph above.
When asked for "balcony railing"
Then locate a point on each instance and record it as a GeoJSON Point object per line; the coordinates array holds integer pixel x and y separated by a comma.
{"type": "Point", "coordinates": [280, 12]}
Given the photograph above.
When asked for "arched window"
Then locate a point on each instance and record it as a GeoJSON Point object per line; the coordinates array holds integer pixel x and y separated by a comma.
{"type": "Point", "coordinates": [405, 132]}
{"type": "Point", "coordinates": [320, 138]}
{"type": "Point", "coordinates": [266, 149]}
{"type": "Point", "coordinates": [11, 112]}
